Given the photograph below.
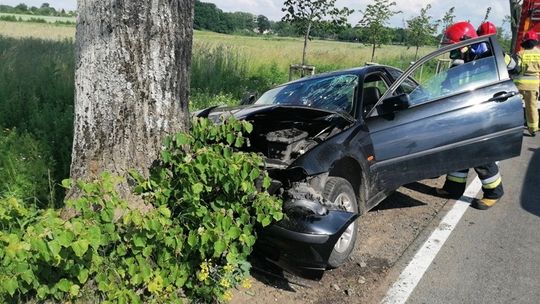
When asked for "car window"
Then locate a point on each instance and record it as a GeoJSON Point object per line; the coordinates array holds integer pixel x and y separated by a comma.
{"type": "Point", "coordinates": [373, 89]}
{"type": "Point", "coordinates": [452, 73]}
{"type": "Point", "coordinates": [407, 86]}
{"type": "Point", "coordinates": [334, 93]}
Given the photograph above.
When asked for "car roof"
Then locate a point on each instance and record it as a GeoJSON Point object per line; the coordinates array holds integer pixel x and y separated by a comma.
{"type": "Point", "coordinates": [360, 71]}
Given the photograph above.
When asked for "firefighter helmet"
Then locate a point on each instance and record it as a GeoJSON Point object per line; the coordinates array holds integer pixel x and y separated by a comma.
{"type": "Point", "coordinates": [458, 32]}
{"type": "Point", "coordinates": [530, 35]}
{"type": "Point", "coordinates": [486, 28]}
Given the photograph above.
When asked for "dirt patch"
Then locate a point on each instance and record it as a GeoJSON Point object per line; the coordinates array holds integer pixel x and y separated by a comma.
{"type": "Point", "coordinates": [384, 235]}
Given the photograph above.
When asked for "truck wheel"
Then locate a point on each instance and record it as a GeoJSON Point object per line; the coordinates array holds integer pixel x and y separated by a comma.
{"type": "Point", "coordinates": [340, 192]}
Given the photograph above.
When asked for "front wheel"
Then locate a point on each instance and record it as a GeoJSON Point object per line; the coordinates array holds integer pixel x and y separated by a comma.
{"type": "Point", "coordinates": [340, 192]}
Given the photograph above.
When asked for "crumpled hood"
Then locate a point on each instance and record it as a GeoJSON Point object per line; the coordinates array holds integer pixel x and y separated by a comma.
{"type": "Point", "coordinates": [279, 112]}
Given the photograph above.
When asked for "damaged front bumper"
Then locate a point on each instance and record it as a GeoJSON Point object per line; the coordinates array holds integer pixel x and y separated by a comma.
{"type": "Point", "coordinates": [302, 245]}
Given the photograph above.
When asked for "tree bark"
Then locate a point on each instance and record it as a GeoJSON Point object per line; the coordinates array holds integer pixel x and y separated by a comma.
{"type": "Point", "coordinates": [132, 83]}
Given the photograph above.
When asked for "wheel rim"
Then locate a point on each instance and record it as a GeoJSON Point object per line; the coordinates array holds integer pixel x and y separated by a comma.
{"type": "Point", "coordinates": [346, 238]}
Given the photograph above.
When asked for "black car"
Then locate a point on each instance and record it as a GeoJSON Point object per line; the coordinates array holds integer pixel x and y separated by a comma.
{"type": "Point", "coordinates": [337, 144]}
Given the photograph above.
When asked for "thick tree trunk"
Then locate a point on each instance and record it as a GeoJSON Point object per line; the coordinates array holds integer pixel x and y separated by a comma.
{"type": "Point", "coordinates": [132, 83]}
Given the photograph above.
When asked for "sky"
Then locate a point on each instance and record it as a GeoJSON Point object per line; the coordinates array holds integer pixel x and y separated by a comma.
{"type": "Point", "coordinates": [472, 10]}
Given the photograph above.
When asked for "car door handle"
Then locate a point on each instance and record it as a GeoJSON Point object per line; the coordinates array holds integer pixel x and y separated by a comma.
{"type": "Point", "coordinates": [503, 96]}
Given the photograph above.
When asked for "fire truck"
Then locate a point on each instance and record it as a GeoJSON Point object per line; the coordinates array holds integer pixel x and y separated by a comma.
{"type": "Point", "coordinates": [530, 20]}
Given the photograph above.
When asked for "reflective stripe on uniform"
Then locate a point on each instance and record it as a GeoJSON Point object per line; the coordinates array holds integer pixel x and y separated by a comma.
{"type": "Point", "coordinates": [492, 182]}
{"type": "Point", "coordinates": [507, 59]}
{"type": "Point", "coordinates": [457, 177]}
{"type": "Point", "coordinates": [529, 58]}
{"type": "Point", "coordinates": [527, 79]}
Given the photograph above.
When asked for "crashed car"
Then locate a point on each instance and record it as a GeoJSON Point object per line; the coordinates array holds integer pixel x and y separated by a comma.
{"type": "Point", "coordinates": [339, 143]}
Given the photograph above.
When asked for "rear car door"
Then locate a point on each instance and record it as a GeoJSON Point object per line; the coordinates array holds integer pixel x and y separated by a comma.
{"type": "Point", "coordinates": [458, 114]}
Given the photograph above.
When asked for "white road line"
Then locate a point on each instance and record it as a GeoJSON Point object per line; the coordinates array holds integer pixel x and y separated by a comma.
{"type": "Point", "coordinates": [412, 274]}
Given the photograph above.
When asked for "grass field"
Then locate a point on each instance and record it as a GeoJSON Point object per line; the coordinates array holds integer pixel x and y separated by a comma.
{"type": "Point", "coordinates": [45, 31]}
{"type": "Point", "coordinates": [258, 51]}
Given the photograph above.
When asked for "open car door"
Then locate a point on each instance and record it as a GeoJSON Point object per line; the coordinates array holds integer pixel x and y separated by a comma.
{"type": "Point", "coordinates": [443, 115]}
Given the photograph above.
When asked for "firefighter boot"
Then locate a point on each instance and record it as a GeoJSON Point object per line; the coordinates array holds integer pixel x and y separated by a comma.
{"type": "Point", "coordinates": [483, 204]}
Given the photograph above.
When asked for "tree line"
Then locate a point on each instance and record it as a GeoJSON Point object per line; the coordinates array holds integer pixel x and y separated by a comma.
{"type": "Point", "coordinates": [44, 10]}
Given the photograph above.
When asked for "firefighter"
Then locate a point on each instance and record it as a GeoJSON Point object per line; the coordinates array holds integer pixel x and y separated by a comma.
{"type": "Point", "coordinates": [489, 175]}
{"type": "Point", "coordinates": [488, 28]}
{"type": "Point", "coordinates": [528, 79]}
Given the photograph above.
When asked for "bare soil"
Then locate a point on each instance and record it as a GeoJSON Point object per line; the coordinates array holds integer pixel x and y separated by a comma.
{"type": "Point", "coordinates": [384, 235]}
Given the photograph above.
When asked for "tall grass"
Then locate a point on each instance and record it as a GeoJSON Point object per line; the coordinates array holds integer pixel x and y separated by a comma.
{"type": "Point", "coordinates": [36, 95]}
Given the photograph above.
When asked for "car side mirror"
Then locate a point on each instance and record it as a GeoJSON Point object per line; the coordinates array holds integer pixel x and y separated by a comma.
{"type": "Point", "coordinates": [249, 98]}
{"type": "Point", "coordinates": [396, 103]}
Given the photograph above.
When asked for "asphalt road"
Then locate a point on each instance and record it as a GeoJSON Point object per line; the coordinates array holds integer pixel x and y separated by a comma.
{"type": "Point", "coordinates": [493, 256]}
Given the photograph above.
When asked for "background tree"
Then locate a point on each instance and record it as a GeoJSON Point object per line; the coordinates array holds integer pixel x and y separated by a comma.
{"type": "Point", "coordinates": [132, 83]}
{"type": "Point", "coordinates": [374, 20]}
{"type": "Point", "coordinates": [515, 15]}
{"type": "Point", "coordinates": [305, 14]}
{"type": "Point", "coordinates": [421, 29]}
{"type": "Point", "coordinates": [263, 24]}
{"type": "Point", "coordinates": [446, 21]}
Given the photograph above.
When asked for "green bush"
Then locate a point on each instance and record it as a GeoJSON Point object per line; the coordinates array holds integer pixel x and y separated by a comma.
{"type": "Point", "coordinates": [25, 166]}
{"type": "Point", "coordinates": [207, 198]}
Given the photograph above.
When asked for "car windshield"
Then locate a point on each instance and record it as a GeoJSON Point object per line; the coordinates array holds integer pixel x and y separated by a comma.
{"type": "Point", "coordinates": [334, 93]}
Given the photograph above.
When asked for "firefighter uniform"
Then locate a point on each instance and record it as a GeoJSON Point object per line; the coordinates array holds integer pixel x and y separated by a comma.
{"type": "Point", "coordinates": [527, 83]}
{"type": "Point", "coordinates": [489, 176]}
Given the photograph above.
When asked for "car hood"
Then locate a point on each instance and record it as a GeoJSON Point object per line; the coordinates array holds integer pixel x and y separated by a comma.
{"type": "Point", "coordinates": [280, 112]}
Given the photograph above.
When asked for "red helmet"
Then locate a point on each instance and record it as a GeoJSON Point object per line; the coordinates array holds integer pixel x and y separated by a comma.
{"type": "Point", "coordinates": [530, 35]}
{"type": "Point", "coordinates": [458, 32]}
{"type": "Point", "coordinates": [486, 28]}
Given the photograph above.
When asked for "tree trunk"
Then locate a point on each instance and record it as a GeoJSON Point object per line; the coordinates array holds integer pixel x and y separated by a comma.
{"type": "Point", "coordinates": [306, 38]}
{"type": "Point", "coordinates": [373, 51]}
{"type": "Point", "coordinates": [132, 83]}
{"type": "Point", "coordinates": [416, 54]}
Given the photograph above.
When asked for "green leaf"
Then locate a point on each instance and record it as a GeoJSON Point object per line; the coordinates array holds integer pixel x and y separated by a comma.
{"type": "Point", "coordinates": [192, 239]}
{"type": "Point", "coordinates": [230, 139]}
{"type": "Point", "coordinates": [197, 188]}
{"type": "Point", "coordinates": [182, 139]}
{"type": "Point", "coordinates": [147, 251]}
{"type": "Point", "coordinates": [64, 285]}
{"type": "Point", "coordinates": [54, 247]}
{"type": "Point", "coordinates": [80, 247]}
{"type": "Point", "coordinates": [139, 241]}
{"type": "Point", "coordinates": [83, 275]}
{"type": "Point", "coordinates": [234, 232]}
{"type": "Point", "coordinates": [67, 183]}
{"type": "Point", "coordinates": [10, 285]}
{"type": "Point", "coordinates": [248, 126]}
{"type": "Point", "coordinates": [266, 221]}
{"type": "Point", "coordinates": [64, 238]}
{"type": "Point", "coordinates": [74, 290]}
{"type": "Point", "coordinates": [219, 248]}
{"type": "Point", "coordinates": [165, 211]}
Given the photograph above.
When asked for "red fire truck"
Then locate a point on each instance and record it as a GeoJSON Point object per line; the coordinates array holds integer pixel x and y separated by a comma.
{"type": "Point", "coordinates": [530, 20]}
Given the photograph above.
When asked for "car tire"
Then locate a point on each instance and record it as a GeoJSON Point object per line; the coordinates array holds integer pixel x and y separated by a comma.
{"type": "Point", "coordinates": [341, 194]}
